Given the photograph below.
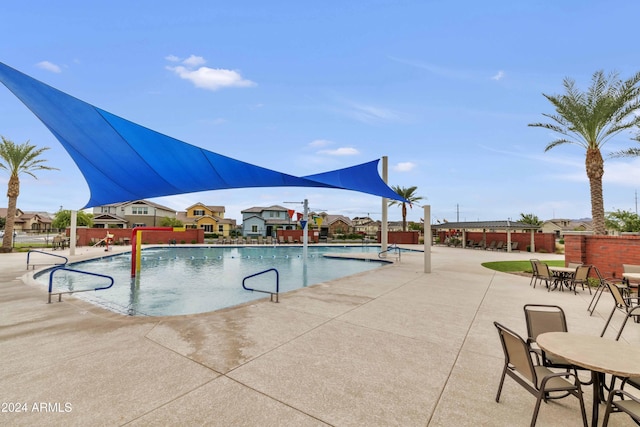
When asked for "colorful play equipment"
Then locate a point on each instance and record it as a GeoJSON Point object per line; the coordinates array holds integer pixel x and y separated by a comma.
{"type": "Point", "coordinates": [108, 240]}
{"type": "Point", "coordinates": [136, 244]}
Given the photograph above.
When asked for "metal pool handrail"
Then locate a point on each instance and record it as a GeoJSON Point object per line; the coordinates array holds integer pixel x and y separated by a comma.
{"type": "Point", "coordinates": [265, 292]}
{"type": "Point", "coordinates": [66, 260]}
{"type": "Point", "coordinates": [71, 292]}
{"type": "Point", "coordinates": [393, 247]}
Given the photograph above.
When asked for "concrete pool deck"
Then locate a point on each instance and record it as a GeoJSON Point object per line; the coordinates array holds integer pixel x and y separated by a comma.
{"type": "Point", "coordinates": [392, 346]}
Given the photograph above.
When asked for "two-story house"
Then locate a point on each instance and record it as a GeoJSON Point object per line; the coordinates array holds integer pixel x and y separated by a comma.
{"type": "Point", "coordinates": [29, 221]}
{"type": "Point", "coordinates": [138, 213]}
{"type": "Point", "coordinates": [261, 221]}
{"type": "Point", "coordinates": [209, 218]}
{"type": "Point", "coordinates": [560, 226]}
{"type": "Point", "coordinates": [366, 226]}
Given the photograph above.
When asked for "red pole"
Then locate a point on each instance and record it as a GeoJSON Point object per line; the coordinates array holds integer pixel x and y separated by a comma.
{"type": "Point", "coordinates": [134, 243]}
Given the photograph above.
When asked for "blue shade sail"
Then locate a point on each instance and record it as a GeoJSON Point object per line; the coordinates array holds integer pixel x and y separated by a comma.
{"type": "Point", "coordinates": [123, 161]}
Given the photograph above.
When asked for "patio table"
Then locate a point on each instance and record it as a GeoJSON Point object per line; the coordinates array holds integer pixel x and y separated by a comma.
{"type": "Point", "coordinates": [600, 355]}
{"type": "Point", "coordinates": [564, 275]}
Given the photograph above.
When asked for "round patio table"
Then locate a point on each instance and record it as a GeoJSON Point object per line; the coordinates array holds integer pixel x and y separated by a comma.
{"type": "Point", "coordinates": [600, 355]}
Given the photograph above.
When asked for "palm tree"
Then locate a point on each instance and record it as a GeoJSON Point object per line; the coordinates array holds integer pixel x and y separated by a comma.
{"type": "Point", "coordinates": [530, 219]}
{"type": "Point", "coordinates": [409, 195]}
{"type": "Point", "coordinates": [17, 159]}
{"type": "Point", "coordinates": [590, 119]}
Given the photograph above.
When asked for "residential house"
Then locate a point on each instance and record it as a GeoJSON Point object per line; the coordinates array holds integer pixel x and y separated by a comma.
{"type": "Point", "coordinates": [366, 226]}
{"type": "Point", "coordinates": [333, 225]}
{"type": "Point", "coordinates": [138, 213]}
{"type": "Point", "coordinates": [560, 226]}
{"type": "Point", "coordinates": [209, 218]}
{"type": "Point", "coordinates": [395, 226]}
{"type": "Point", "coordinates": [30, 221]}
{"type": "Point", "coordinates": [264, 221]}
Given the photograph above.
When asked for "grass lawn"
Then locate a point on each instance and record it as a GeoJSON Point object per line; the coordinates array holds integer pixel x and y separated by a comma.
{"type": "Point", "coordinates": [518, 266]}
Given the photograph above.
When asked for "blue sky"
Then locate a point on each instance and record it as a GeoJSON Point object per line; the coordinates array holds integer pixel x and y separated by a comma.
{"type": "Point", "coordinates": [444, 89]}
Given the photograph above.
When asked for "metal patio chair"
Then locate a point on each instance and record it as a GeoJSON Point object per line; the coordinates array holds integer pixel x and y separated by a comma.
{"type": "Point", "coordinates": [628, 305]}
{"type": "Point", "coordinates": [536, 379]}
{"type": "Point", "coordinates": [628, 403]}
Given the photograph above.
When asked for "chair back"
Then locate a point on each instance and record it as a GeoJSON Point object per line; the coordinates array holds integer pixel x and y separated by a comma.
{"type": "Point", "coordinates": [516, 353]}
{"type": "Point", "coordinates": [631, 268]}
{"type": "Point", "coordinates": [543, 270]}
{"type": "Point", "coordinates": [618, 297]}
{"type": "Point", "coordinates": [534, 266]}
{"type": "Point", "coordinates": [574, 264]}
{"type": "Point", "coordinates": [582, 273]}
{"type": "Point", "coordinates": [541, 318]}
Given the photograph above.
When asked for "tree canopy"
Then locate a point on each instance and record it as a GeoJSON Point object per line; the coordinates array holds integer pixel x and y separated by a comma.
{"type": "Point", "coordinates": [62, 219]}
{"type": "Point", "coordinates": [590, 119]}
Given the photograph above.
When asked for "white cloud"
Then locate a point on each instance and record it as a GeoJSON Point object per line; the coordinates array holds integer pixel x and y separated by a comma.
{"type": "Point", "coordinates": [404, 166]}
{"type": "Point", "coordinates": [212, 78]}
{"type": "Point", "coordinates": [49, 66]}
{"type": "Point", "coordinates": [320, 143]}
{"type": "Point", "coordinates": [205, 77]}
{"type": "Point", "coordinates": [342, 151]}
{"type": "Point", "coordinates": [498, 76]}
{"type": "Point", "coordinates": [194, 61]}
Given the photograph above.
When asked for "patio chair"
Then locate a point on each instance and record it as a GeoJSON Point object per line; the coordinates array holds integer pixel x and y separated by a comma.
{"type": "Point", "coordinates": [500, 246]}
{"type": "Point", "coordinates": [629, 305]}
{"type": "Point", "coordinates": [514, 247]}
{"type": "Point", "coordinates": [534, 271]}
{"type": "Point", "coordinates": [545, 275]}
{"type": "Point", "coordinates": [630, 268]}
{"type": "Point", "coordinates": [580, 277]}
{"type": "Point", "coordinates": [536, 379]}
{"type": "Point", "coordinates": [598, 293]}
{"type": "Point", "coordinates": [628, 403]}
{"type": "Point", "coordinates": [492, 245]}
{"type": "Point", "coordinates": [541, 318]}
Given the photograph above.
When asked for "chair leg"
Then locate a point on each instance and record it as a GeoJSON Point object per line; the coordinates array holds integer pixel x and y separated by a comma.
{"type": "Point", "coordinates": [622, 327]}
{"type": "Point", "coordinates": [504, 374]}
{"type": "Point", "coordinates": [608, 320]}
{"type": "Point", "coordinates": [595, 299]}
{"type": "Point", "coordinates": [537, 408]}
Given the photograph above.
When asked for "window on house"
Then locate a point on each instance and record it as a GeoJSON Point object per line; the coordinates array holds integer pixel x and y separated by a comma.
{"type": "Point", "coordinates": [198, 212]}
{"type": "Point", "coordinates": [141, 224]}
{"type": "Point", "coordinates": [139, 210]}
{"type": "Point", "coordinates": [254, 228]}
{"type": "Point", "coordinates": [220, 228]}
{"type": "Point", "coordinates": [208, 228]}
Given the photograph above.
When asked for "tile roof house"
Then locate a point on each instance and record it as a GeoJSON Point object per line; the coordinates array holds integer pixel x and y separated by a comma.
{"type": "Point", "coordinates": [30, 221]}
{"type": "Point", "coordinates": [137, 213]}
{"type": "Point", "coordinates": [560, 226]}
{"type": "Point", "coordinates": [264, 221]}
{"type": "Point", "coordinates": [208, 217]}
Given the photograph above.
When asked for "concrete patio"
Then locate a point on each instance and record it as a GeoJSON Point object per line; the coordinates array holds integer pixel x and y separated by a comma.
{"type": "Point", "coordinates": [392, 346]}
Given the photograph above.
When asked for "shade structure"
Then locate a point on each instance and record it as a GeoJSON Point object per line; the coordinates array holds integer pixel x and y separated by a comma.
{"type": "Point", "coordinates": [123, 161]}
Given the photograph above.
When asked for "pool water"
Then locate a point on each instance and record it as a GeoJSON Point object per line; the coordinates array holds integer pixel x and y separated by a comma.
{"type": "Point", "coordinates": [189, 280]}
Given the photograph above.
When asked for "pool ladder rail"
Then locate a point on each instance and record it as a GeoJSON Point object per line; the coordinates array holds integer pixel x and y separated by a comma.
{"type": "Point", "coordinates": [272, 294]}
{"type": "Point", "coordinates": [394, 248]}
{"type": "Point", "coordinates": [66, 260]}
{"type": "Point", "coordinates": [74, 291]}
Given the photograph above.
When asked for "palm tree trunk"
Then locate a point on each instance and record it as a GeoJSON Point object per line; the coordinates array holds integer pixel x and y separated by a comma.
{"type": "Point", "coordinates": [595, 170]}
{"type": "Point", "coordinates": [404, 217]}
{"type": "Point", "coordinates": [13, 191]}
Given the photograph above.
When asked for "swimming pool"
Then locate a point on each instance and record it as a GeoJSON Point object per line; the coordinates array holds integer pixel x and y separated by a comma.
{"type": "Point", "coordinates": [189, 280]}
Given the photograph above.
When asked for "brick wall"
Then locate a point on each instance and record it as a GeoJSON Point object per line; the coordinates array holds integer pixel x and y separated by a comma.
{"type": "Point", "coordinates": [123, 235]}
{"type": "Point", "coordinates": [608, 253]}
{"type": "Point", "coordinates": [545, 242]}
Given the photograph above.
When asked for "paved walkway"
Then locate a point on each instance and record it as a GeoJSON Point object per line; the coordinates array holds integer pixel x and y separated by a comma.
{"type": "Point", "coordinates": [393, 346]}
